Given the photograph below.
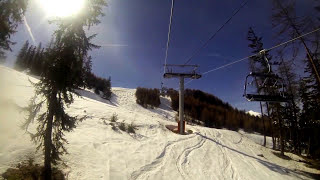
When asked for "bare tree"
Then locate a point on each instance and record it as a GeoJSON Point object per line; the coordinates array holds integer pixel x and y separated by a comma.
{"type": "Point", "coordinates": [285, 19]}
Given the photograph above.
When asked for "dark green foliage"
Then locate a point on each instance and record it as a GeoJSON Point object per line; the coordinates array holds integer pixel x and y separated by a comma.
{"type": "Point", "coordinates": [213, 112]}
{"type": "Point", "coordinates": [115, 128]}
{"type": "Point", "coordinates": [122, 126]}
{"type": "Point", "coordinates": [309, 117]}
{"type": "Point", "coordinates": [114, 118]}
{"type": "Point", "coordinates": [148, 97]}
{"type": "Point", "coordinates": [11, 15]}
{"type": "Point", "coordinates": [32, 58]}
{"type": "Point", "coordinates": [131, 128]}
{"type": "Point", "coordinates": [21, 57]}
{"type": "Point", "coordinates": [38, 60]}
{"type": "Point", "coordinates": [102, 85]}
{"type": "Point", "coordinates": [29, 170]}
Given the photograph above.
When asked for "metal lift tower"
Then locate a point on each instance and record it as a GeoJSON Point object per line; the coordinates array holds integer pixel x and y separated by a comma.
{"type": "Point", "coordinates": [170, 74]}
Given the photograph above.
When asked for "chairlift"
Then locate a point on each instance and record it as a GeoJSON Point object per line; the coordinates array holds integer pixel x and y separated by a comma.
{"type": "Point", "coordinates": [278, 96]}
{"type": "Point", "coordinates": [269, 80]}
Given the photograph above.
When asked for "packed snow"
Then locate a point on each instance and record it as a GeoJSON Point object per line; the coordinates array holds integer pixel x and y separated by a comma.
{"type": "Point", "coordinates": [96, 151]}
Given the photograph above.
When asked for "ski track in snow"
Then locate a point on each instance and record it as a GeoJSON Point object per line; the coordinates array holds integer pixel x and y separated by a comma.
{"type": "Point", "coordinates": [227, 164]}
{"type": "Point", "coordinates": [154, 152]}
{"type": "Point", "coordinates": [182, 160]}
{"type": "Point", "coordinates": [158, 163]}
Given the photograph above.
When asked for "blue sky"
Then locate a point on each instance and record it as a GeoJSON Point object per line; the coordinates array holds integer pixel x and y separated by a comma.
{"type": "Point", "coordinates": [133, 35]}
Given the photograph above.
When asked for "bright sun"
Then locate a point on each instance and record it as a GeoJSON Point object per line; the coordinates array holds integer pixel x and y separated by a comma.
{"type": "Point", "coordinates": [61, 8]}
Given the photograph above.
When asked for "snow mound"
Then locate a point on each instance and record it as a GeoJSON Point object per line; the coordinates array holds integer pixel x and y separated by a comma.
{"type": "Point", "coordinates": [96, 151]}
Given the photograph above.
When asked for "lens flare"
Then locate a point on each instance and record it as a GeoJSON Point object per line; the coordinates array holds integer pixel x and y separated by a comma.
{"type": "Point", "coordinates": [62, 8]}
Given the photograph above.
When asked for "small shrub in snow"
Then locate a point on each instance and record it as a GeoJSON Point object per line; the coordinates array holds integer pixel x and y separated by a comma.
{"type": "Point", "coordinates": [122, 126]}
{"type": "Point", "coordinates": [29, 170]}
{"type": "Point", "coordinates": [114, 117]}
{"type": "Point", "coordinates": [113, 127]}
{"type": "Point", "coordinates": [131, 129]}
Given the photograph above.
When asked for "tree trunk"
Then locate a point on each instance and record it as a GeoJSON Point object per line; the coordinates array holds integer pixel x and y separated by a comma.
{"type": "Point", "coordinates": [296, 130]}
{"type": "Point", "coordinates": [48, 139]}
{"type": "Point", "coordinates": [281, 134]}
{"type": "Point", "coordinates": [47, 148]}
{"type": "Point", "coordinates": [273, 141]}
{"type": "Point", "coordinates": [309, 144]}
{"type": "Point", "coordinates": [271, 127]}
{"type": "Point", "coordinates": [264, 127]}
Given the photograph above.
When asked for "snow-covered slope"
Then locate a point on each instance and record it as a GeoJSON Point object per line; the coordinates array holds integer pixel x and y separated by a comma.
{"type": "Point", "coordinates": [98, 152]}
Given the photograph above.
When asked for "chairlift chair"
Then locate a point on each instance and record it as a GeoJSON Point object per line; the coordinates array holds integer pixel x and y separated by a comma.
{"type": "Point", "coordinates": [277, 97]}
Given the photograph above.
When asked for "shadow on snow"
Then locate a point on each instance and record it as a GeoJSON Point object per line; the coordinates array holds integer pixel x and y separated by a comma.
{"type": "Point", "coordinates": [271, 166]}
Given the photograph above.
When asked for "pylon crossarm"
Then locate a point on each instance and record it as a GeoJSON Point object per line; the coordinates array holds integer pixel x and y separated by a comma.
{"type": "Point", "coordinates": [185, 75]}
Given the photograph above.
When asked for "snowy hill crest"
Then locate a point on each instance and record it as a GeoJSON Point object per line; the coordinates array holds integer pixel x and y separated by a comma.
{"type": "Point", "coordinates": [253, 113]}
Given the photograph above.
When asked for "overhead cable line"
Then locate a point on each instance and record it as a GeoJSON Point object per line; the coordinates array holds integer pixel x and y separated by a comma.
{"type": "Point", "coordinates": [266, 50]}
{"type": "Point", "coordinates": [214, 34]}
{"type": "Point", "coordinates": [169, 33]}
{"type": "Point", "coordinates": [167, 45]}
{"type": "Point", "coordinates": [276, 46]}
{"type": "Point", "coordinates": [229, 64]}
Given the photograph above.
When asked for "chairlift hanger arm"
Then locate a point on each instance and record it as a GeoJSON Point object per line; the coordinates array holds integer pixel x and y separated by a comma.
{"type": "Point", "coordinates": [263, 54]}
{"type": "Point", "coordinates": [185, 75]}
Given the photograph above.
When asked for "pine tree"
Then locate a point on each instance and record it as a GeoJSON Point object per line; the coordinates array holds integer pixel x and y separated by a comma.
{"type": "Point", "coordinates": [28, 57]}
{"type": "Point", "coordinates": [20, 63]}
{"type": "Point", "coordinates": [291, 113]}
{"type": "Point", "coordinates": [107, 89]}
{"type": "Point", "coordinates": [37, 61]}
{"type": "Point", "coordinates": [11, 13]}
{"type": "Point", "coordinates": [64, 74]}
{"type": "Point", "coordinates": [258, 64]}
{"type": "Point", "coordinates": [310, 123]}
{"type": "Point", "coordinates": [88, 74]}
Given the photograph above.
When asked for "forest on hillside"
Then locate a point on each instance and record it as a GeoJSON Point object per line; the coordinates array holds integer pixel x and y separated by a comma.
{"type": "Point", "coordinates": [214, 113]}
{"type": "Point", "coordinates": [33, 59]}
